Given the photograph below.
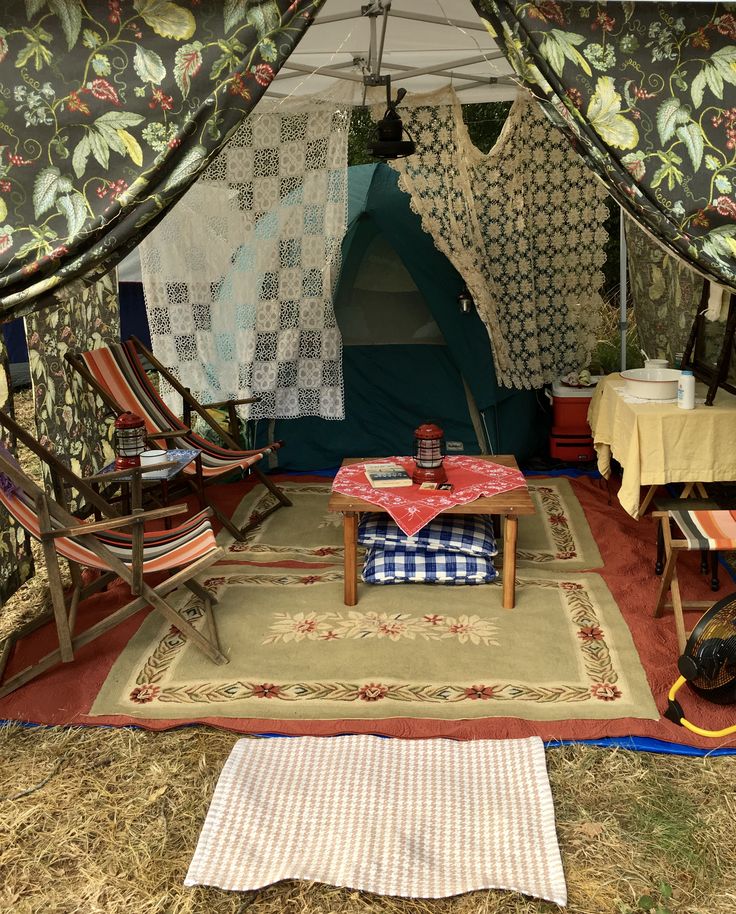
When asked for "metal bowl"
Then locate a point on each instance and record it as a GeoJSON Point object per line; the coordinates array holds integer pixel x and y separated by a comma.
{"type": "Point", "coordinates": [652, 383]}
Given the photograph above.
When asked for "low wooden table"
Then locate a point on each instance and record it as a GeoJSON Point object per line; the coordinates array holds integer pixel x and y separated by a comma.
{"type": "Point", "coordinates": [508, 505]}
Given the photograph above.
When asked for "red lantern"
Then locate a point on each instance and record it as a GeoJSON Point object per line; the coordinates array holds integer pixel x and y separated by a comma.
{"type": "Point", "coordinates": [429, 453]}
{"type": "Point", "coordinates": [130, 440]}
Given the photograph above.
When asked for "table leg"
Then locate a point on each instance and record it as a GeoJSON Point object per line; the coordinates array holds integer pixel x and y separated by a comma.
{"type": "Point", "coordinates": [510, 530]}
{"type": "Point", "coordinates": [200, 481]}
{"type": "Point", "coordinates": [350, 543]}
{"type": "Point", "coordinates": [165, 501]}
{"type": "Point", "coordinates": [647, 500]}
{"type": "Point", "coordinates": [125, 497]}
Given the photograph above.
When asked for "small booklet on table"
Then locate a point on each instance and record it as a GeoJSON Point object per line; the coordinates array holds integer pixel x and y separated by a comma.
{"type": "Point", "coordinates": [387, 475]}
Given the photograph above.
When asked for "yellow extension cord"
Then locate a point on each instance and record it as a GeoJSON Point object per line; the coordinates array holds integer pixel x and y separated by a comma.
{"type": "Point", "coordinates": [727, 731]}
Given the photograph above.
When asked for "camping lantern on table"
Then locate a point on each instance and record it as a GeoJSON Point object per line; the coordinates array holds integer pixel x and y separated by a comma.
{"type": "Point", "coordinates": [130, 440]}
{"type": "Point", "coordinates": [429, 452]}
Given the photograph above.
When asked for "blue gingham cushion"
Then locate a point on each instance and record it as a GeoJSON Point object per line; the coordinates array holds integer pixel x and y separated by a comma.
{"type": "Point", "coordinates": [400, 564]}
{"type": "Point", "coordinates": [470, 534]}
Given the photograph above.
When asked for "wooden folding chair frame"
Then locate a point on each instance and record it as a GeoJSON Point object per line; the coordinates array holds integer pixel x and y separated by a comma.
{"type": "Point", "coordinates": [65, 612]}
{"type": "Point", "coordinates": [687, 492]}
{"type": "Point", "coordinates": [670, 582]}
{"type": "Point", "coordinates": [229, 437]}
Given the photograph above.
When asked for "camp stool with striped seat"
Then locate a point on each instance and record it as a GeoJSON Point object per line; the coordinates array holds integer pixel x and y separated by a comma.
{"type": "Point", "coordinates": [117, 374]}
{"type": "Point", "coordinates": [705, 531]}
{"type": "Point", "coordinates": [183, 552]}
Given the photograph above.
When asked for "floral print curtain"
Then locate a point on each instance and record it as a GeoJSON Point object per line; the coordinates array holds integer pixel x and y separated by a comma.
{"type": "Point", "coordinates": [16, 558]}
{"type": "Point", "coordinates": [665, 293]}
{"type": "Point", "coordinates": [524, 227]}
{"type": "Point", "coordinates": [71, 421]}
{"type": "Point", "coordinates": [647, 93]}
{"type": "Point", "coordinates": [110, 109]}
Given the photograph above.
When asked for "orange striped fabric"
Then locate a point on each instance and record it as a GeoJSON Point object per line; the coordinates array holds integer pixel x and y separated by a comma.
{"type": "Point", "coordinates": [162, 550]}
{"type": "Point", "coordinates": [713, 530]}
{"type": "Point", "coordinates": [119, 371]}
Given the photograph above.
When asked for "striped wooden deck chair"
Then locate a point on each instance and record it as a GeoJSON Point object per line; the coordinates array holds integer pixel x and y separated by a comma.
{"type": "Point", "coordinates": [132, 555]}
{"type": "Point", "coordinates": [702, 530]}
{"type": "Point", "coordinates": [118, 376]}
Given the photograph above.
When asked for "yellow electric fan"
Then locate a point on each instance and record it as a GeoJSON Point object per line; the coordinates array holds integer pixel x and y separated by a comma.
{"type": "Point", "coordinates": [708, 664]}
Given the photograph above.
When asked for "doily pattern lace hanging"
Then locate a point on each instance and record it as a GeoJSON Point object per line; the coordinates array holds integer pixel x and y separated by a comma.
{"type": "Point", "coordinates": [239, 277]}
{"type": "Point", "coordinates": [523, 225]}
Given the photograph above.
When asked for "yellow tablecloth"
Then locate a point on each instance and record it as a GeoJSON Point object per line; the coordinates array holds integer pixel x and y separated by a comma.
{"type": "Point", "coordinates": [656, 443]}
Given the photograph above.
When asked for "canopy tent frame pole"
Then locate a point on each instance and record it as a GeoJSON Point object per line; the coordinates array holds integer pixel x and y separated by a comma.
{"type": "Point", "coordinates": [451, 74]}
{"type": "Point", "coordinates": [404, 14]}
{"type": "Point", "coordinates": [403, 71]}
{"type": "Point", "coordinates": [327, 68]}
{"type": "Point", "coordinates": [489, 81]}
{"type": "Point", "coordinates": [439, 20]}
{"type": "Point", "coordinates": [371, 11]}
{"type": "Point", "coordinates": [464, 62]}
{"type": "Point", "coordinates": [623, 322]}
{"type": "Point", "coordinates": [337, 74]}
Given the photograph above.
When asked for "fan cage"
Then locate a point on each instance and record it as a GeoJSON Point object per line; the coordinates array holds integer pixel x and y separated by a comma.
{"type": "Point", "coordinates": [718, 624]}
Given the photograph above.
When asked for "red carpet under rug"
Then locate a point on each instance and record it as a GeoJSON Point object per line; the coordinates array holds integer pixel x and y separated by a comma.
{"type": "Point", "coordinates": [64, 696]}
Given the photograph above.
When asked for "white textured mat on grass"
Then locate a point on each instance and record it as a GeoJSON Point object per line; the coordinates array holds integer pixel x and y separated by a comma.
{"type": "Point", "coordinates": [424, 818]}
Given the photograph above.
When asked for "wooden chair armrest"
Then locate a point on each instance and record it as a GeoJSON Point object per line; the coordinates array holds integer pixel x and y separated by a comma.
{"type": "Point", "coordinates": [113, 523]}
{"type": "Point", "coordinates": [174, 433]}
{"type": "Point", "coordinates": [131, 471]}
{"type": "Point", "coordinates": [220, 403]}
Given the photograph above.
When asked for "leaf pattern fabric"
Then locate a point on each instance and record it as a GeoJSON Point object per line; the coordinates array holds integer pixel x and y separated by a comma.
{"type": "Point", "coordinates": [647, 93]}
{"type": "Point", "coordinates": [665, 293]}
{"type": "Point", "coordinates": [71, 421]}
{"type": "Point", "coordinates": [110, 109]}
{"type": "Point", "coordinates": [16, 558]}
{"type": "Point", "coordinates": [523, 225]}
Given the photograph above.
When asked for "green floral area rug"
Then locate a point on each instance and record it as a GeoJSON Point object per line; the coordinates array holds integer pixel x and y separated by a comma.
{"type": "Point", "coordinates": [557, 536]}
{"type": "Point", "coordinates": [410, 651]}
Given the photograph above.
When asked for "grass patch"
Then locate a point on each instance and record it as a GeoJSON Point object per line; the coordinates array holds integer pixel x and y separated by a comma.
{"type": "Point", "coordinates": [667, 818]}
{"type": "Point", "coordinates": [114, 823]}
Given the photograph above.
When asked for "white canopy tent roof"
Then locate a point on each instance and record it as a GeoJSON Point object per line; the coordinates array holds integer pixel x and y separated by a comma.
{"type": "Point", "coordinates": [424, 45]}
{"type": "Point", "coordinates": [427, 45]}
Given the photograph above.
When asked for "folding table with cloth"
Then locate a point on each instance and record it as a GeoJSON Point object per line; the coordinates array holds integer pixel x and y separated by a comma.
{"type": "Point", "coordinates": [658, 443]}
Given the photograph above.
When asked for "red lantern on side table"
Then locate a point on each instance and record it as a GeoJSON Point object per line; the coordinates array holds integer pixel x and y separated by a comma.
{"type": "Point", "coordinates": [130, 440]}
{"type": "Point", "coordinates": [429, 452]}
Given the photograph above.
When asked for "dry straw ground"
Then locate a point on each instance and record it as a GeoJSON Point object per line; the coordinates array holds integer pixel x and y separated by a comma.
{"type": "Point", "coordinates": [113, 827]}
{"type": "Point", "coordinates": [104, 821]}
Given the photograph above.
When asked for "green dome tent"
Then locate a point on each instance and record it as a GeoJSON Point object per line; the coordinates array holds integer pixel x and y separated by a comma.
{"type": "Point", "coordinates": [410, 355]}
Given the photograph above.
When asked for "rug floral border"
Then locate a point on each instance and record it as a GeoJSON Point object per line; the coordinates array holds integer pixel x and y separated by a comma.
{"type": "Point", "coordinates": [591, 639]}
{"type": "Point", "coordinates": [565, 547]}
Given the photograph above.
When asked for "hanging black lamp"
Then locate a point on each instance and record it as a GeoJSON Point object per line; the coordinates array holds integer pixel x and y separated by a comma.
{"type": "Point", "coordinates": [388, 141]}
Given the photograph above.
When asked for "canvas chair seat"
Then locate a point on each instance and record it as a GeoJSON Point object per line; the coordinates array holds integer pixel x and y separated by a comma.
{"type": "Point", "coordinates": [119, 377]}
{"type": "Point", "coordinates": [119, 370]}
{"type": "Point", "coordinates": [706, 531]}
{"type": "Point", "coordinates": [711, 530]}
{"type": "Point", "coordinates": [106, 545]}
{"type": "Point", "coordinates": [162, 550]}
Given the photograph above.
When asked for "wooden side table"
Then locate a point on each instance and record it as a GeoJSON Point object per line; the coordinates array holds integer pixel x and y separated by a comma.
{"type": "Point", "coordinates": [508, 505]}
{"type": "Point", "coordinates": [172, 463]}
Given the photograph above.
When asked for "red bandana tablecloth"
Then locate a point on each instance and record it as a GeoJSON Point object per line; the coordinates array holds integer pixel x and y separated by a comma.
{"type": "Point", "coordinates": [413, 508]}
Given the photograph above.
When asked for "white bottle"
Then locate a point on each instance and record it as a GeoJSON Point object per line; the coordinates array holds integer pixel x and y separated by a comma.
{"type": "Point", "coordinates": [686, 390]}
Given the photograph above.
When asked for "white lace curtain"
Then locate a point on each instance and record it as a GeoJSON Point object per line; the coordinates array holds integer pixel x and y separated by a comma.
{"type": "Point", "coordinates": [239, 276]}
{"type": "Point", "coordinates": [523, 225]}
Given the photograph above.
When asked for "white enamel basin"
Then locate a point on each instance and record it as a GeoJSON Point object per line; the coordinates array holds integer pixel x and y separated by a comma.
{"type": "Point", "coordinates": [652, 383]}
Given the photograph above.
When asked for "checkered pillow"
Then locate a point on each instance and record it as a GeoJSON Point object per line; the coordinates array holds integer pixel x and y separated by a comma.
{"type": "Point", "coordinates": [469, 534]}
{"type": "Point", "coordinates": [401, 564]}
